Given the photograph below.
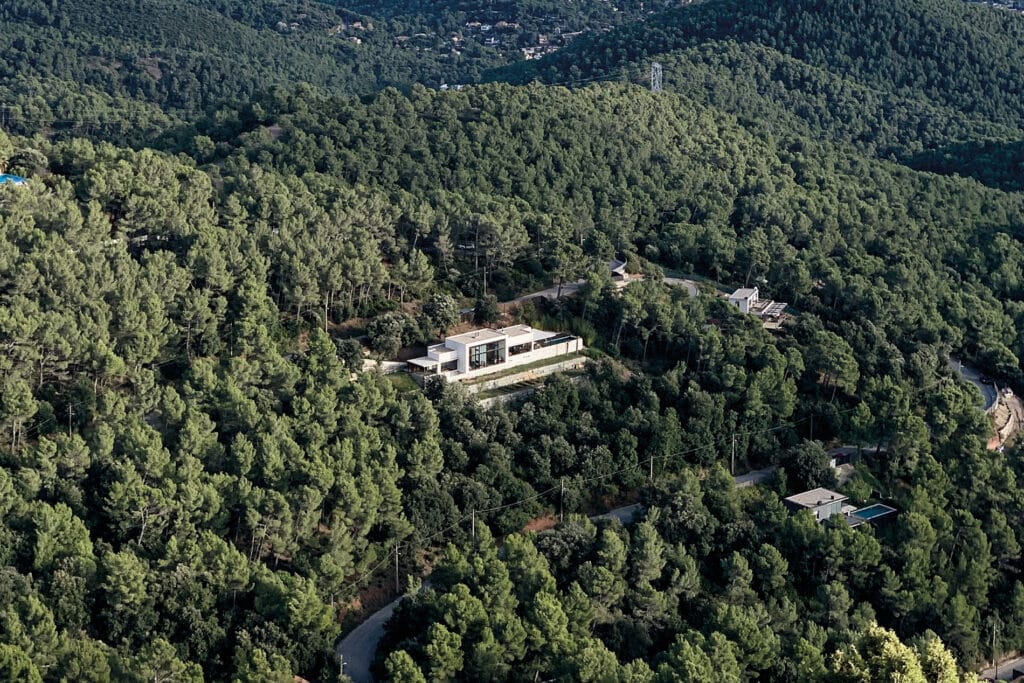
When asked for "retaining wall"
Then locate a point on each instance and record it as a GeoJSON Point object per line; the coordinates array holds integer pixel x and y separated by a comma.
{"type": "Point", "coordinates": [526, 375]}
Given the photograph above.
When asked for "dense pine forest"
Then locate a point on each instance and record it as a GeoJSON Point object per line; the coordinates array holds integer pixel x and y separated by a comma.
{"type": "Point", "coordinates": [230, 209]}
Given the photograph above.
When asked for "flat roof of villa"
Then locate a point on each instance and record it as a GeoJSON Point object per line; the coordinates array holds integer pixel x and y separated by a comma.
{"type": "Point", "coordinates": [743, 293]}
{"type": "Point", "coordinates": [476, 336]}
{"type": "Point", "coordinates": [815, 497]}
{"type": "Point", "coordinates": [516, 330]}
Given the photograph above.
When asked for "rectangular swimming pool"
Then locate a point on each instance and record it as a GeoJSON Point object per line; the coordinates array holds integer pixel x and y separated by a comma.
{"type": "Point", "coordinates": [873, 511]}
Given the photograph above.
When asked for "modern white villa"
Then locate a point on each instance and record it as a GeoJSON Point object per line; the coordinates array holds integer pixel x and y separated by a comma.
{"type": "Point", "coordinates": [480, 352]}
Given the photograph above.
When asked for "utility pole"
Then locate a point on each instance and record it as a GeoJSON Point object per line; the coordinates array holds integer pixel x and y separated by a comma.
{"type": "Point", "coordinates": [732, 466]}
{"type": "Point", "coordinates": [561, 502]}
{"type": "Point", "coordinates": [995, 629]}
{"type": "Point", "coordinates": [651, 464]}
{"type": "Point", "coordinates": [473, 515]}
{"type": "Point", "coordinates": [398, 585]}
{"type": "Point", "coordinates": [656, 73]}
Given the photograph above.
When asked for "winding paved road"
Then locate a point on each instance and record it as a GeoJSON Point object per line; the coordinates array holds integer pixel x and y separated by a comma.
{"type": "Point", "coordinates": [572, 288]}
{"type": "Point", "coordinates": [988, 390]}
{"type": "Point", "coordinates": [691, 287]}
{"type": "Point", "coordinates": [356, 650]}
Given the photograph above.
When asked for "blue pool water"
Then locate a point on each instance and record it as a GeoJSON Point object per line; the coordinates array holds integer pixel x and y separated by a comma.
{"type": "Point", "coordinates": [872, 511]}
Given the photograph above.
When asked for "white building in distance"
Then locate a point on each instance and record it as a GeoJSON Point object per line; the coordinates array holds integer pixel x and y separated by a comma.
{"type": "Point", "coordinates": [747, 300]}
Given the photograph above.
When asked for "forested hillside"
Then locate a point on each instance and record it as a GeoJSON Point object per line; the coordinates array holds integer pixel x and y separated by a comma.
{"type": "Point", "coordinates": [555, 174]}
{"type": "Point", "coordinates": [915, 48]}
{"type": "Point", "coordinates": [127, 70]}
{"type": "Point", "coordinates": [889, 78]}
{"type": "Point", "coordinates": [77, 65]}
{"type": "Point", "coordinates": [226, 212]}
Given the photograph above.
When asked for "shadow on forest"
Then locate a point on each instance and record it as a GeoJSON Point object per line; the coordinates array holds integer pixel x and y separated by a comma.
{"type": "Point", "coordinates": [998, 165]}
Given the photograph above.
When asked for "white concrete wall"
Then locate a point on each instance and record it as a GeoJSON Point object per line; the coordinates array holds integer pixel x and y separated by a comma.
{"type": "Point", "coordinates": [569, 346]}
{"type": "Point", "coordinates": [442, 353]}
{"type": "Point", "coordinates": [461, 354]}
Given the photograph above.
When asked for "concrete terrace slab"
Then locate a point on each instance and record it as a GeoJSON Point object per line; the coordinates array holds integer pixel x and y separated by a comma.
{"type": "Point", "coordinates": [485, 334]}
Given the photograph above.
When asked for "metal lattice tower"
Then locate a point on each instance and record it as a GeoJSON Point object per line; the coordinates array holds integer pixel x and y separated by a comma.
{"type": "Point", "coordinates": [656, 77]}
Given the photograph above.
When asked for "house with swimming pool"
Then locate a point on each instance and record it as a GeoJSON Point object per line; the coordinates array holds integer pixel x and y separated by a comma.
{"type": "Point", "coordinates": [485, 351]}
{"type": "Point", "coordinates": [825, 504]}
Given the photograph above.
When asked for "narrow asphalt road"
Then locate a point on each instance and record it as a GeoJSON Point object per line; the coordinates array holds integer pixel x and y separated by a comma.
{"type": "Point", "coordinates": [755, 477]}
{"type": "Point", "coordinates": [972, 375]}
{"type": "Point", "coordinates": [626, 514]}
{"type": "Point", "coordinates": [691, 286]}
{"type": "Point", "coordinates": [572, 288]}
{"type": "Point", "coordinates": [1006, 670]}
{"type": "Point", "coordinates": [568, 289]}
{"type": "Point", "coordinates": [356, 650]}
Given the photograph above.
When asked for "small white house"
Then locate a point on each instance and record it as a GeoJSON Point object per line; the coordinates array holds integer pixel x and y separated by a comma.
{"type": "Point", "coordinates": [744, 299]}
{"type": "Point", "coordinates": [822, 503]}
{"type": "Point", "coordinates": [483, 351]}
{"type": "Point", "coordinates": [748, 300]}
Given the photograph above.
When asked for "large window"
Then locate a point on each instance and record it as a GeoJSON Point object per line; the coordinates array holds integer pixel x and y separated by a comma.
{"type": "Point", "coordinates": [521, 348]}
{"type": "Point", "coordinates": [487, 354]}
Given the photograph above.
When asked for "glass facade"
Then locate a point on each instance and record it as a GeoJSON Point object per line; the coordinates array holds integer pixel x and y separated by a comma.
{"type": "Point", "coordinates": [521, 348]}
{"type": "Point", "coordinates": [487, 354]}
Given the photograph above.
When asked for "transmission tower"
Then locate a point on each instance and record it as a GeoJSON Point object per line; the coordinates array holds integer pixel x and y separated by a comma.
{"type": "Point", "coordinates": [656, 77]}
